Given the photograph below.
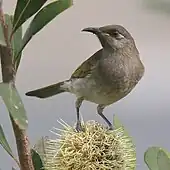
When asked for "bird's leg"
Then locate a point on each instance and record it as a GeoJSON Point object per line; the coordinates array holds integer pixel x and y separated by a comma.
{"type": "Point", "coordinates": [78, 104]}
{"type": "Point", "coordinates": [100, 109]}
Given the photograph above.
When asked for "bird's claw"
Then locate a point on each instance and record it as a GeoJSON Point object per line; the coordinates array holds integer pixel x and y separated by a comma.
{"type": "Point", "coordinates": [111, 127]}
{"type": "Point", "coordinates": [79, 127]}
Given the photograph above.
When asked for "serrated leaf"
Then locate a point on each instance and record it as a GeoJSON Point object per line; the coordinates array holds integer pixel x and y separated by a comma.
{"type": "Point", "coordinates": [14, 104]}
{"type": "Point", "coordinates": [150, 158]}
{"type": "Point", "coordinates": [24, 10]}
{"type": "Point", "coordinates": [163, 160]}
{"type": "Point", "coordinates": [42, 18]}
{"type": "Point", "coordinates": [40, 145]}
{"type": "Point", "coordinates": [37, 162]}
{"type": "Point", "coordinates": [5, 145]}
{"type": "Point", "coordinates": [167, 153]}
{"type": "Point", "coordinates": [117, 124]}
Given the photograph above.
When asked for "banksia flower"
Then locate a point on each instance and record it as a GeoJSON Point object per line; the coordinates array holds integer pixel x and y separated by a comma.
{"type": "Point", "coordinates": [95, 148]}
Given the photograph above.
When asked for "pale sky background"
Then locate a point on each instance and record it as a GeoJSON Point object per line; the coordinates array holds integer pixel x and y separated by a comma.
{"type": "Point", "coordinates": [58, 49]}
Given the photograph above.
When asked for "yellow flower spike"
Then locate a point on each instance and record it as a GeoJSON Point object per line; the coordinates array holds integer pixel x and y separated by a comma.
{"type": "Point", "coordinates": [95, 149]}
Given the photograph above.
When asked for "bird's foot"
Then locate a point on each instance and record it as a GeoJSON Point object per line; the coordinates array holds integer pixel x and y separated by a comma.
{"type": "Point", "coordinates": [111, 127]}
{"type": "Point", "coordinates": [79, 127]}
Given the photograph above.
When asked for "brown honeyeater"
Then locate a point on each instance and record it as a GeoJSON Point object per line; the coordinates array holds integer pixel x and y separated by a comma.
{"type": "Point", "coordinates": [106, 77]}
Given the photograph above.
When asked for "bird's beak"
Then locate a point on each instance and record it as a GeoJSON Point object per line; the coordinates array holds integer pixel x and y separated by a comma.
{"type": "Point", "coordinates": [93, 30]}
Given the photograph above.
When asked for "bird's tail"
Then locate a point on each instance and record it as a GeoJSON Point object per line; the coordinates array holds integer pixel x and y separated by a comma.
{"type": "Point", "coordinates": [47, 91]}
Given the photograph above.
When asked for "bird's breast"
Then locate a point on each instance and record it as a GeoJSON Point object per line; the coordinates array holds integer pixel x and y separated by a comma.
{"type": "Point", "coordinates": [108, 83]}
{"type": "Point", "coordinates": [121, 73]}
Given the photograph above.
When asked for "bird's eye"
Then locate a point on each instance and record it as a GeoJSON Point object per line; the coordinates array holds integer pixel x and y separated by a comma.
{"type": "Point", "coordinates": [117, 35]}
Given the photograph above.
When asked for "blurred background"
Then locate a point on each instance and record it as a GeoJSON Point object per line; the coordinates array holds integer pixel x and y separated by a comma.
{"type": "Point", "coordinates": [58, 49]}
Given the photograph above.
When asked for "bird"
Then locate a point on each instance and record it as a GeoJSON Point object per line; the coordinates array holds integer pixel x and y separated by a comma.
{"type": "Point", "coordinates": [107, 76]}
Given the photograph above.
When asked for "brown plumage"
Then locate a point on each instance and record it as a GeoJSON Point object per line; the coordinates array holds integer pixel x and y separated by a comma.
{"type": "Point", "coordinates": [107, 76]}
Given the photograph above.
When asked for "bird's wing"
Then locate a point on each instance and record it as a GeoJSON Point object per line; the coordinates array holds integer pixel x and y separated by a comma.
{"type": "Point", "coordinates": [87, 66]}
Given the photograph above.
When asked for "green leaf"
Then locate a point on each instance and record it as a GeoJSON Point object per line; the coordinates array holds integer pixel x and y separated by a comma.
{"type": "Point", "coordinates": [24, 10]}
{"type": "Point", "coordinates": [157, 159]}
{"type": "Point", "coordinates": [4, 142]}
{"type": "Point", "coordinates": [42, 18]}
{"type": "Point", "coordinates": [5, 145]}
{"type": "Point", "coordinates": [17, 37]}
{"type": "Point", "coordinates": [150, 158]}
{"type": "Point", "coordinates": [37, 162]}
{"type": "Point", "coordinates": [163, 160]}
{"type": "Point", "coordinates": [117, 124]}
{"type": "Point", "coordinates": [40, 146]}
{"type": "Point", "coordinates": [14, 104]}
{"type": "Point", "coordinates": [16, 45]}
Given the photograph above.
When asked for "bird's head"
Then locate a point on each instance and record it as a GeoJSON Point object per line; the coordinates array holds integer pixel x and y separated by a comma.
{"type": "Point", "coordinates": [114, 36]}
